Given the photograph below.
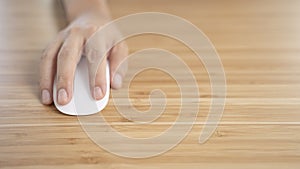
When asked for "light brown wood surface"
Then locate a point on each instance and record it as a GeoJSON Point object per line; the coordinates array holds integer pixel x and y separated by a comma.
{"type": "Point", "coordinates": [259, 45]}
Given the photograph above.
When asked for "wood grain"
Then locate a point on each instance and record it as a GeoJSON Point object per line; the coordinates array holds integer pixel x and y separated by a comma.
{"type": "Point", "coordinates": [258, 42]}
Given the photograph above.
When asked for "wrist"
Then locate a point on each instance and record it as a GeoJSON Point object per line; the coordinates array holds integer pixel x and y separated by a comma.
{"type": "Point", "coordinates": [78, 8]}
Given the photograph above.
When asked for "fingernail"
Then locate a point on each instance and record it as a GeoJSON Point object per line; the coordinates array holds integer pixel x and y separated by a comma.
{"type": "Point", "coordinates": [45, 96]}
{"type": "Point", "coordinates": [117, 81]}
{"type": "Point", "coordinates": [62, 96]}
{"type": "Point", "coordinates": [98, 94]}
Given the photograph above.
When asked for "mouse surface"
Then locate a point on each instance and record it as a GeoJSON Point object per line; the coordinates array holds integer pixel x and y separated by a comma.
{"type": "Point", "coordinates": [82, 102]}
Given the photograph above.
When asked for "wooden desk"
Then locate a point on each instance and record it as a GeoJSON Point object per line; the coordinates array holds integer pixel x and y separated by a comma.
{"type": "Point", "coordinates": [258, 42]}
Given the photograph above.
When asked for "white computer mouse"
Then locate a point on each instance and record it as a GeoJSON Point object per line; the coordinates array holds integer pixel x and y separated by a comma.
{"type": "Point", "coordinates": [82, 102]}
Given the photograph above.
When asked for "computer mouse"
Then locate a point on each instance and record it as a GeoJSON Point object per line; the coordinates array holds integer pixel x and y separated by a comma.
{"type": "Point", "coordinates": [82, 102]}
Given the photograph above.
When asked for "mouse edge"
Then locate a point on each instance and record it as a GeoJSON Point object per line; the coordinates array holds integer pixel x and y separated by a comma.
{"type": "Point", "coordinates": [73, 112]}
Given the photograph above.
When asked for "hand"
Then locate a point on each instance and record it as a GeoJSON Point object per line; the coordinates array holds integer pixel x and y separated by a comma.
{"type": "Point", "coordinates": [63, 54]}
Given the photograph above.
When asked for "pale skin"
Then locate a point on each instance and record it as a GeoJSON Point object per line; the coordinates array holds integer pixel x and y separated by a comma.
{"type": "Point", "coordinates": [61, 56]}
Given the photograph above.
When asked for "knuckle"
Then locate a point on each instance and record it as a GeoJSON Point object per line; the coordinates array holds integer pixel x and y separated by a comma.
{"type": "Point", "coordinates": [45, 82]}
{"type": "Point", "coordinates": [87, 30]}
{"type": "Point", "coordinates": [99, 81]}
{"type": "Point", "coordinates": [64, 80]}
{"type": "Point", "coordinates": [91, 28]}
{"type": "Point", "coordinates": [65, 52]}
{"type": "Point", "coordinates": [75, 30]}
{"type": "Point", "coordinates": [93, 58]}
{"type": "Point", "coordinates": [46, 56]}
{"type": "Point", "coordinates": [68, 54]}
{"type": "Point", "coordinates": [121, 49]}
{"type": "Point", "coordinates": [74, 59]}
{"type": "Point", "coordinates": [62, 34]}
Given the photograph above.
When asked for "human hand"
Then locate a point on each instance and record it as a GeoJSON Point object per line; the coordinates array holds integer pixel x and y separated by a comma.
{"type": "Point", "coordinates": [62, 55]}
